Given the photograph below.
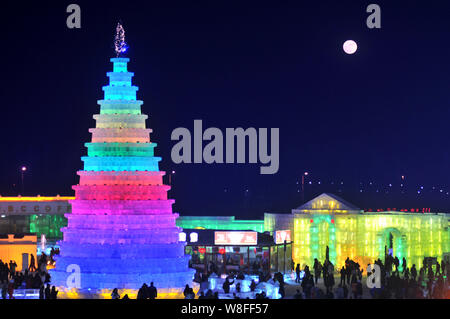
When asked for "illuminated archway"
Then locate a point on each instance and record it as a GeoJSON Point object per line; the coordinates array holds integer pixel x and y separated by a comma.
{"type": "Point", "coordinates": [393, 241]}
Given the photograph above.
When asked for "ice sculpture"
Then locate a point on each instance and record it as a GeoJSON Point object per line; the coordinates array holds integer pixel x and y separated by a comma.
{"type": "Point", "coordinates": [121, 232]}
{"type": "Point", "coordinates": [215, 283]}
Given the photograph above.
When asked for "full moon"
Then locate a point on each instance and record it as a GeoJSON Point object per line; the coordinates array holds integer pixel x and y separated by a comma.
{"type": "Point", "coordinates": [350, 47]}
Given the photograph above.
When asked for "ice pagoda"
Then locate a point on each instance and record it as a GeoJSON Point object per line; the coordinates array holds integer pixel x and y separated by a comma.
{"type": "Point", "coordinates": [121, 232]}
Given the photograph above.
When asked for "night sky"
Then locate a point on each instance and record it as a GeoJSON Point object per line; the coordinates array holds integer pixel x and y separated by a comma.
{"type": "Point", "coordinates": [349, 120]}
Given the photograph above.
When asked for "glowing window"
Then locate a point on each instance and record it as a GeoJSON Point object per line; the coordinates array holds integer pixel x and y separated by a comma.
{"type": "Point", "coordinates": [193, 237]}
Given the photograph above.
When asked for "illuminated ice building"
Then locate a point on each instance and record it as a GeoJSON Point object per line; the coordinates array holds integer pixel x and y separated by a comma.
{"type": "Point", "coordinates": [121, 232]}
{"type": "Point", "coordinates": [328, 220]}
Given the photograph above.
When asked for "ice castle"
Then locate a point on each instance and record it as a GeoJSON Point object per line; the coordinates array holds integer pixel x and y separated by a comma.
{"type": "Point", "coordinates": [121, 232]}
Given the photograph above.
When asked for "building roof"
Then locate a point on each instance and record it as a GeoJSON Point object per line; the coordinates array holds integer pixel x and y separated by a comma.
{"type": "Point", "coordinates": [327, 201]}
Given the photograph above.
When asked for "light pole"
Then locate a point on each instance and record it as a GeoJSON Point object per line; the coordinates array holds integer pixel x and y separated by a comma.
{"type": "Point", "coordinates": [22, 171]}
{"type": "Point", "coordinates": [303, 186]}
{"type": "Point", "coordinates": [170, 177]}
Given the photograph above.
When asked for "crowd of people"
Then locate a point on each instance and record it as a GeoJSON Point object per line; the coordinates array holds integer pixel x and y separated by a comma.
{"type": "Point", "coordinates": [396, 280]}
{"type": "Point", "coordinates": [33, 277]}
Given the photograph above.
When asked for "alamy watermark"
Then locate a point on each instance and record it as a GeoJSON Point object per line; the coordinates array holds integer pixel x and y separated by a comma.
{"type": "Point", "coordinates": [373, 276]}
{"type": "Point", "coordinates": [234, 138]}
{"type": "Point", "coordinates": [74, 279]}
{"type": "Point", "coordinates": [74, 19]}
{"type": "Point", "coordinates": [373, 21]}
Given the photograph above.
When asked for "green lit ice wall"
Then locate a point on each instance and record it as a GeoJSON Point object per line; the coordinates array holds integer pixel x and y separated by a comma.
{"type": "Point", "coordinates": [49, 225]}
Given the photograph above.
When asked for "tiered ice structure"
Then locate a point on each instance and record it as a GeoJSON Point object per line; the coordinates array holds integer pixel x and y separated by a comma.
{"type": "Point", "coordinates": [121, 232]}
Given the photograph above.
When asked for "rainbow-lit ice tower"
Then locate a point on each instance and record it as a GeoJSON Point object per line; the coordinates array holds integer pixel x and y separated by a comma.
{"type": "Point", "coordinates": [121, 232]}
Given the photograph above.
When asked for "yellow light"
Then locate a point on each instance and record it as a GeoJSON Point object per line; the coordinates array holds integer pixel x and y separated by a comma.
{"type": "Point", "coordinates": [36, 199]}
{"type": "Point", "coordinates": [171, 293]}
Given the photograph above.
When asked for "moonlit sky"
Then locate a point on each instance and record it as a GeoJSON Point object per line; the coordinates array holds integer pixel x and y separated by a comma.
{"type": "Point", "coordinates": [349, 120]}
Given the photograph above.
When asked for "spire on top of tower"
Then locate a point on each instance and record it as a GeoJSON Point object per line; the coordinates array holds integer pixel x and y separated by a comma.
{"type": "Point", "coordinates": [120, 46]}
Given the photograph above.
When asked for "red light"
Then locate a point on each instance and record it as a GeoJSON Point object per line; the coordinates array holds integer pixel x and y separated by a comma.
{"type": "Point", "coordinates": [222, 251]}
{"type": "Point", "coordinates": [202, 250]}
{"type": "Point", "coordinates": [332, 221]}
{"type": "Point", "coordinates": [311, 221]}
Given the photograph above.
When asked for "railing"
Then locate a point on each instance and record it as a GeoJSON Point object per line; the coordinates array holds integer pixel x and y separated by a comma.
{"type": "Point", "coordinates": [25, 294]}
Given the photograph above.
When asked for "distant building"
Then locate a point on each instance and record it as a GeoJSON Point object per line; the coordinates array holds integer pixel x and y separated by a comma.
{"type": "Point", "coordinates": [39, 215]}
{"type": "Point", "coordinates": [329, 221]}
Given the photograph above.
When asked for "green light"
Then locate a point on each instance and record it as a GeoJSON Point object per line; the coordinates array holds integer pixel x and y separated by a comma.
{"type": "Point", "coordinates": [49, 225]}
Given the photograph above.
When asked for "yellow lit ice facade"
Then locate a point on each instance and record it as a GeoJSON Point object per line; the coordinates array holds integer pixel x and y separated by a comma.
{"type": "Point", "coordinates": [362, 236]}
{"type": "Point", "coordinates": [18, 248]}
{"type": "Point", "coordinates": [167, 293]}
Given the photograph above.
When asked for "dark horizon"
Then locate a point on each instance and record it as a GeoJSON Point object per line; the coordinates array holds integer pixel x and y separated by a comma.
{"type": "Point", "coordinates": [365, 120]}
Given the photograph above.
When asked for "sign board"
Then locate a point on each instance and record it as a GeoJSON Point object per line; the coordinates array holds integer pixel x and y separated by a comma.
{"type": "Point", "coordinates": [235, 238]}
{"type": "Point", "coordinates": [56, 207]}
{"type": "Point", "coordinates": [281, 236]}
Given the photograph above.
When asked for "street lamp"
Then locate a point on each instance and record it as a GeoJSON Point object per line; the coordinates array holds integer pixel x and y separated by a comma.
{"type": "Point", "coordinates": [170, 177]}
{"type": "Point", "coordinates": [22, 171]}
{"type": "Point", "coordinates": [303, 186]}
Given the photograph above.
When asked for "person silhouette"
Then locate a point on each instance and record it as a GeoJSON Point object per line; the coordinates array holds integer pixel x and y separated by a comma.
{"type": "Point", "coordinates": [152, 291]}
{"type": "Point", "coordinates": [186, 291]}
{"type": "Point", "coordinates": [115, 294]}
{"type": "Point", "coordinates": [41, 292]}
{"type": "Point", "coordinates": [297, 273]}
{"type": "Point", "coordinates": [413, 272]}
{"type": "Point", "coordinates": [226, 285]}
{"type": "Point", "coordinates": [54, 293]}
{"type": "Point", "coordinates": [32, 267]}
{"type": "Point", "coordinates": [47, 292]}
{"type": "Point", "coordinates": [252, 285]}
